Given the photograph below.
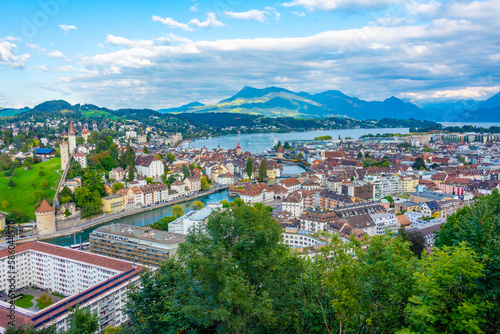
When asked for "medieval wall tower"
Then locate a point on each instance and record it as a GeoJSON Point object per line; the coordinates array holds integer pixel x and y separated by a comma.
{"type": "Point", "coordinates": [64, 154]}
{"type": "Point", "coordinates": [45, 218]}
{"type": "Point", "coordinates": [71, 138]}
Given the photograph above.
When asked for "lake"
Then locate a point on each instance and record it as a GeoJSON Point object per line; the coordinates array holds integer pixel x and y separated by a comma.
{"type": "Point", "coordinates": [258, 142]}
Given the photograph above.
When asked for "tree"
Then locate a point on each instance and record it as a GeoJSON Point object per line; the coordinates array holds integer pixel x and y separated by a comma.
{"type": "Point", "coordinates": [446, 300]}
{"type": "Point", "coordinates": [249, 167]}
{"type": "Point", "coordinates": [109, 163]}
{"type": "Point", "coordinates": [31, 330]}
{"type": "Point", "coordinates": [178, 210]}
{"type": "Point", "coordinates": [204, 183]}
{"type": "Point", "coordinates": [65, 191]}
{"type": "Point", "coordinates": [477, 225]}
{"type": "Point", "coordinates": [418, 241]}
{"type": "Point", "coordinates": [234, 275]}
{"type": "Point", "coordinates": [263, 170]}
{"type": "Point", "coordinates": [389, 198]}
{"type": "Point", "coordinates": [145, 149]}
{"type": "Point", "coordinates": [360, 155]}
{"type": "Point", "coordinates": [170, 157]}
{"type": "Point", "coordinates": [88, 201]}
{"type": "Point", "coordinates": [11, 183]}
{"type": "Point", "coordinates": [82, 321]}
{"type": "Point", "coordinates": [186, 171]}
{"type": "Point", "coordinates": [67, 213]}
{"type": "Point", "coordinates": [162, 224]}
{"type": "Point", "coordinates": [300, 156]}
{"type": "Point", "coordinates": [198, 205]}
{"type": "Point", "coordinates": [367, 155]}
{"type": "Point", "coordinates": [131, 171]}
{"type": "Point", "coordinates": [117, 186]}
{"type": "Point", "coordinates": [5, 204]}
{"type": "Point", "coordinates": [93, 180]}
{"type": "Point", "coordinates": [418, 164]}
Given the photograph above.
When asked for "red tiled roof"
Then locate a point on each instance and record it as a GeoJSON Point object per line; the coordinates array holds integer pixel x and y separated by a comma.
{"type": "Point", "coordinates": [45, 207]}
{"type": "Point", "coordinates": [68, 253]}
{"type": "Point", "coordinates": [292, 181]}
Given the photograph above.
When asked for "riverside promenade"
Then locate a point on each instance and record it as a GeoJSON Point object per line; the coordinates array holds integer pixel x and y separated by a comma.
{"type": "Point", "coordinates": [94, 221]}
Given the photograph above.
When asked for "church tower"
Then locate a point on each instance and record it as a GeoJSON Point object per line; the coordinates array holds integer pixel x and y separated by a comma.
{"type": "Point", "coordinates": [64, 154]}
{"type": "Point", "coordinates": [45, 218]}
{"type": "Point", "coordinates": [72, 138]}
{"type": "Point", "coordinates": [238, 149]}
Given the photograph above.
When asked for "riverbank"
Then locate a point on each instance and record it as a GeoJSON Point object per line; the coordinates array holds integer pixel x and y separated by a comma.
{"type": "Point", "coordinates": [104, 219]}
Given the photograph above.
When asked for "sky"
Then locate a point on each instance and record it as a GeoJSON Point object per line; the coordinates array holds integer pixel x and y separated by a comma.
{"type": "Point", "coordinates": [161, 54]}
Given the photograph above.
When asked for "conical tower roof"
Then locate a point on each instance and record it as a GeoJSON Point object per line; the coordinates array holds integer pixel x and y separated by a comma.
{"type": "Point", "coordinates": [44, 207]}
{"type": "Point", "coordinates": [71, 128]}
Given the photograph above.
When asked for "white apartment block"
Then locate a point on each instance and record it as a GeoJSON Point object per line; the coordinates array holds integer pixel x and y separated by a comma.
{"type": "Point", "coordinates": [89, 280]}
{"type": "Point", "coordinates": [293, 204]}
{"type": "Point", "coordinates": [184, 224]}
{"type": "Point", "coordinates": [385, 185]}
{"type": "Point", "coordinates": [385, 221]}
{"type": "Point", "coordinates": [149, 166]}
{"type": "Point", "coordinates": [81, 158]}
{"type": "Point", "coordinates": [297, 240]}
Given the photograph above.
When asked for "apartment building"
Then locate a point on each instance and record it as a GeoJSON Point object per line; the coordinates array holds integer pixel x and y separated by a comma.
{"type": "Point", "coordinates": [385, 185]}
{"type": "Point", "coordinates": [142, 245]}
{"type": "Point", "coordinates": [89, 280]}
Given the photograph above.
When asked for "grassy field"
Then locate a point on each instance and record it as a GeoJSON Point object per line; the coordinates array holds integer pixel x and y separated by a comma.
{"type": "Point", "coordinates": [22, 195]}
{"type": "Point", "coordinates": [25, 302]}
{"type": "Point", "coordinates": [88, 113]}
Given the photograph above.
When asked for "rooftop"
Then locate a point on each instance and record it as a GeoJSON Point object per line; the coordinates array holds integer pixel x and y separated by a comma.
{"type": "Point", "coordinates": [142, 233]}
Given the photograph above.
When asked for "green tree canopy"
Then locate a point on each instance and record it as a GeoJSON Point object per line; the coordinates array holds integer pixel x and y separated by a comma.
{"type": "Point", "coordinates": [178, 210]}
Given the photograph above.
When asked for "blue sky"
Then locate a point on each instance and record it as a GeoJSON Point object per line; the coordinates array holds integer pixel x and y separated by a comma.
{"type": "Point", "coordinates": [158, 54]}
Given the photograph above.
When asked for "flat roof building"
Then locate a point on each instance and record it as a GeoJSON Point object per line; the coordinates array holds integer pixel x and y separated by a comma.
{"type": "Point", "coordinates": [137, 244]}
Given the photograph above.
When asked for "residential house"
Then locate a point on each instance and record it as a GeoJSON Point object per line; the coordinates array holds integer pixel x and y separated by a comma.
{"type": "Point", "coordinates": [257, 193]}
{"type": "Point", "coordinates": [149, 166]}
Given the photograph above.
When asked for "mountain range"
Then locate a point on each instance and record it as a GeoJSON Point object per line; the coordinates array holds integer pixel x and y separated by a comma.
{"type": "Point", "coordinates": [280, 102]}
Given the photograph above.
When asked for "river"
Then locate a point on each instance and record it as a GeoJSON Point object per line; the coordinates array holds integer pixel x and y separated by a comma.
{"type": "Point", "coordinates": [255, 143]}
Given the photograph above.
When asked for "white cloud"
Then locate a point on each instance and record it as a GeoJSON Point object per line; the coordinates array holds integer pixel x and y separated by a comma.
{"type": "Point", "coordinates": [66, 27]}
{"type": "Point", "coordinates": [328, 5]}
{"type": "Point", "coordinates": [8, 58]}
{"type": "Point", "coordinates": [58, 54]}
{"type": "Point", "coordinates": [254, 14]}
{"type": "Point", "coordinates": [299, 13]}
{"type": "Point", "coordinates": [172, 23]}
{"type": "Point", "coordinates": [135, 43]}
{"type": "Point", "coordinates": [210, 22]}
{"type": "Point", "coordinates": [477, 93]}
{"type": "Point", "coordinates": [67, 68]}
{"type": "Point", "coordinates": [42, 67]}
{"type": "Point", "coordinates": [194, 8]}
{"type": "Point", "coordinates": [430, 8]}
{"type": "Point", "coordinates": [11, 39]}
{"type": "Point", "coordinates": [468, 92]}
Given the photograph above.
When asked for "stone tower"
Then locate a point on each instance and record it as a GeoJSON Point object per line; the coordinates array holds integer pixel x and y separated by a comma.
{"type": "Point", "coordinates": [64, 154]}
{"type": "Point", "coordinates": [280, 152]}
{"type": "Point", "coordinates": [45, 218]}
{"type": "Point", "coordinates": [71, 138]}
{"type": "Point", "coordinates": [85, 135]}
{"type": "Point", "coordinates": [238, 149]}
